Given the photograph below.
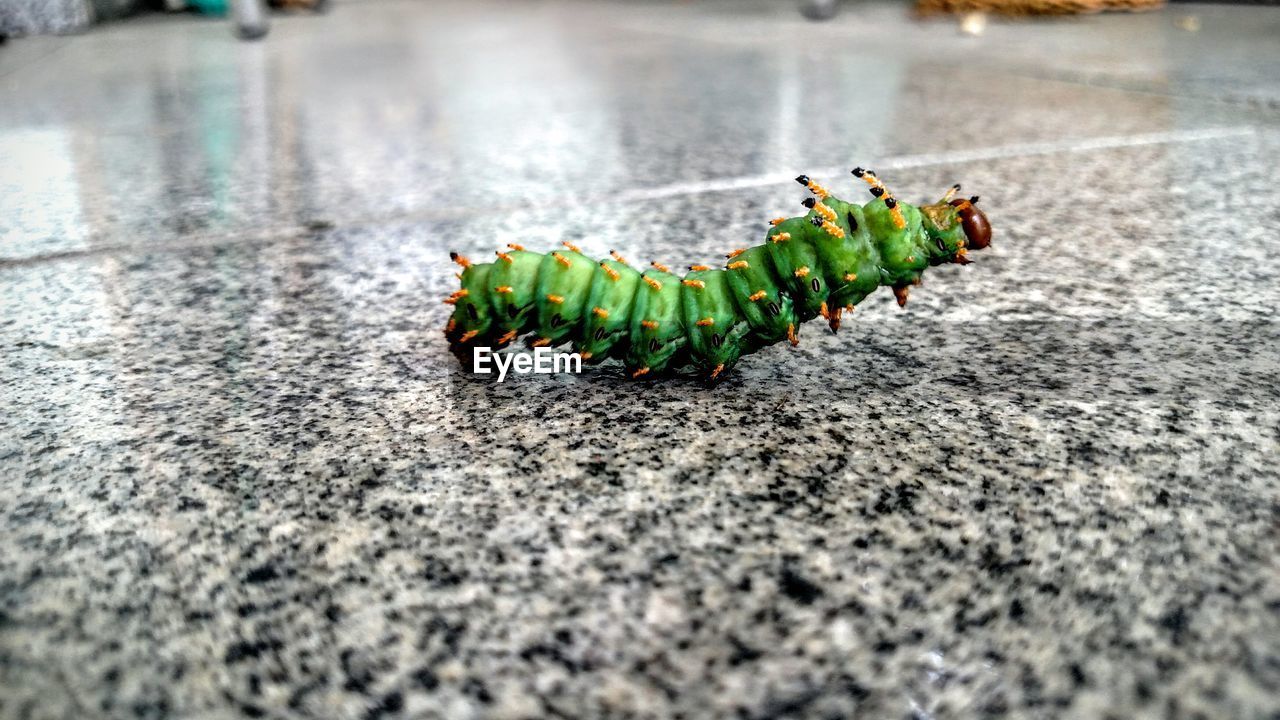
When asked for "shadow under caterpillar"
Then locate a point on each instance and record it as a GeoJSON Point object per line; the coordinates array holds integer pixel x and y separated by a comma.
{"type": "Point", "coordinates": [820, 263]}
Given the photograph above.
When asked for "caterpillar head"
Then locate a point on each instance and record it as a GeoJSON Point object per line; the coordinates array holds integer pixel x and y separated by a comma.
{"type": "Point", "coordinates": [977, 229]}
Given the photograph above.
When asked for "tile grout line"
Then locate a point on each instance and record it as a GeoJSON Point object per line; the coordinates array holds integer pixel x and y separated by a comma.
{"type": "Point", "coordinates": [904, 162]}
{"type": "Point", "coordinates": [901, 162]}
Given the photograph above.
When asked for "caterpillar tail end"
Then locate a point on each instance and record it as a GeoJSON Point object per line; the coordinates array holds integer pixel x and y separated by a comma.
{"type": "Point", "coordinates": [461, 344]}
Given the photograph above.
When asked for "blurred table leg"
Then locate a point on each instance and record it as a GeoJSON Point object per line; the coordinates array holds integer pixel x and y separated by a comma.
{"type": "Point", "coordinates": [818, 9]}
{"type": "Point", "coordinates": [250, 18]}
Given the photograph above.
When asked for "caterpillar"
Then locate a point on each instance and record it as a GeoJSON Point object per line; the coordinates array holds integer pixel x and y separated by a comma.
{"type": "Point", "coordinates": [822, 263]}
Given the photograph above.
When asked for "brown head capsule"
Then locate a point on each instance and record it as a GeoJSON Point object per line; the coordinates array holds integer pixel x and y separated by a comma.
{"type": "Point", "coordinates": [977, 229]}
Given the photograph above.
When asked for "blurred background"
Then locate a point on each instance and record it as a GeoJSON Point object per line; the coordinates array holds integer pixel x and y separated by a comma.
{"type": "Point", "coordinates": [155, 120]}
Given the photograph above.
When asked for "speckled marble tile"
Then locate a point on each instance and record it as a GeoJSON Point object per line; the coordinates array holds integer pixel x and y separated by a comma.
{"type": "Point", "coordinates": [248, 479]}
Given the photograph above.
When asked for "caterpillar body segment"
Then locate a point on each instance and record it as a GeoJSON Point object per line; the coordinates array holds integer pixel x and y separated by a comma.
{"type": "Point", "coordinates": [654, 321]}
{"type": "Point", "coordinates": [718, 334]}
{"type": "Point", "coordinates": [796, 262]}
{"type": "Point", "coordinates": [511, 288]}
{"type": "Point", "coordinates": [473, 312]}
{"type": "Point", "coordinates": [767, 308]}
{"type": "Point", "coordinates": [657, 325]}
{"type": "Point", "coordinates": [903, 250]}
{"type": "Point", "coordinates": [851, 264]}
{"type": "Point", "coordinates": [564, 282]}
{"type": "Point", "coordinates": [607, 324]}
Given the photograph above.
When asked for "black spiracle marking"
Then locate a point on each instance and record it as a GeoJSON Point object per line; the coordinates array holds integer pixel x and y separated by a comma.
{"type": "Point", "coordinates": [600, 333]}
{"type": "Point", "coordinates": [853, 221]}
{"type": "Point", "coordinates": [774, 309]}
{"type": "Point", "coordinates": [556, 320]}
{"type": "Point", "coordinates": [471, 310]}
{"type": "Point", "coordinates": [654, 345]}
{"type": "Point", "coordinates": [817, 286]}
{"type": "Point", "coordinates": [512, 310]}
{"type": "Point", "coordinates": [717, 339]}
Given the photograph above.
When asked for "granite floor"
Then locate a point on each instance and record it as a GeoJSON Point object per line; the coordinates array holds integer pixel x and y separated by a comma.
{"type": "Point", "coordinates": [241, 475]}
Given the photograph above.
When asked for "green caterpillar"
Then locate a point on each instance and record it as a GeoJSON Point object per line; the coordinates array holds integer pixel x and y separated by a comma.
{"type": "Point", "coordinates": [654, 321]}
